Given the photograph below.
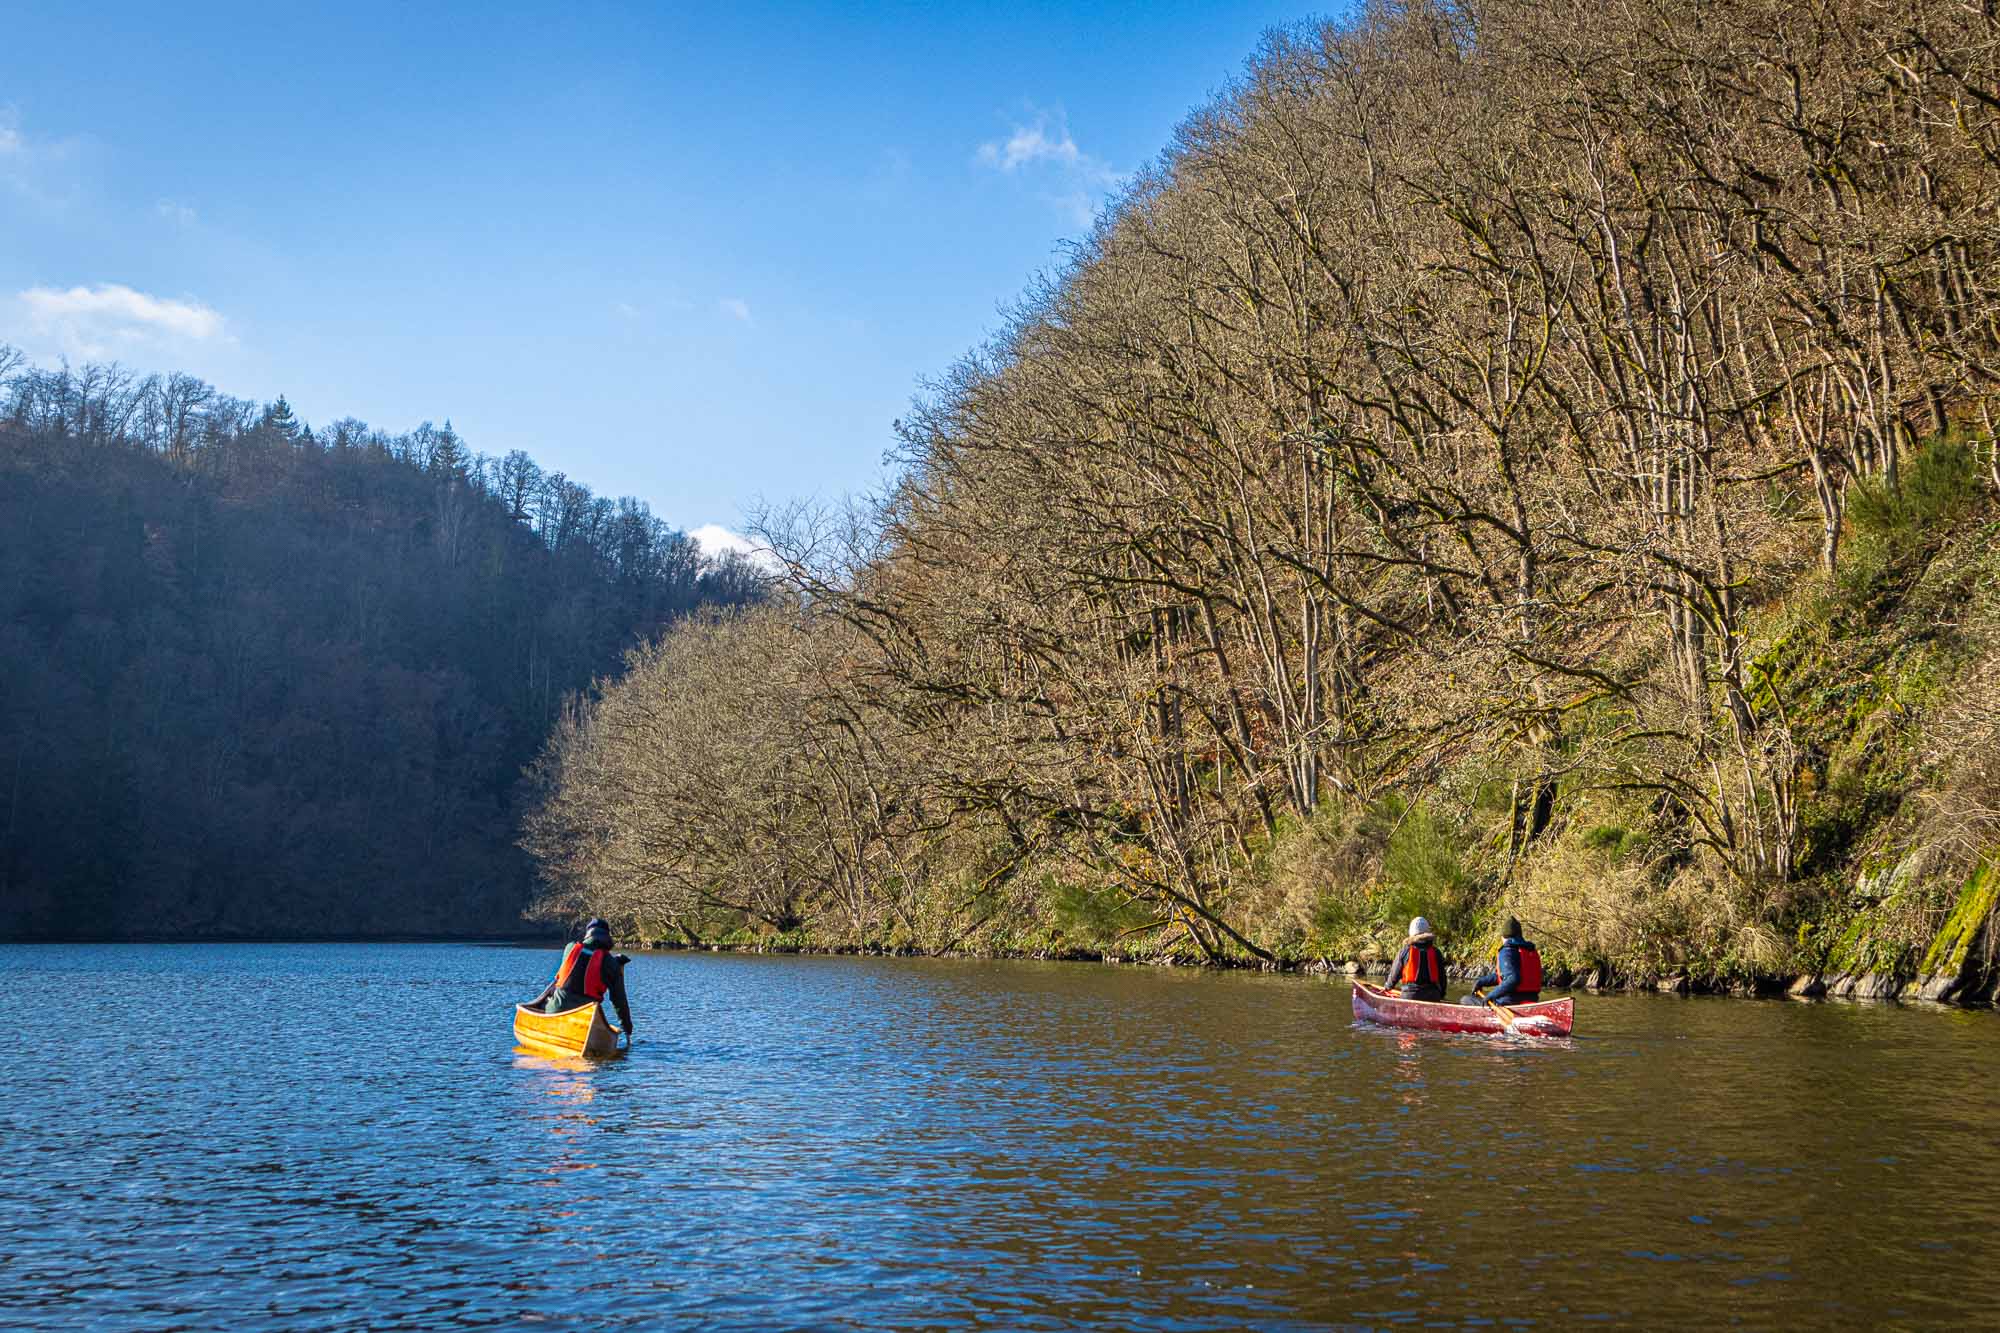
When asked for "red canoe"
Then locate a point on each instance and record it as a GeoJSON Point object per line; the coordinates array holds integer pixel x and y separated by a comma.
{"type": "Point", "coordinates": [1545, 1018]}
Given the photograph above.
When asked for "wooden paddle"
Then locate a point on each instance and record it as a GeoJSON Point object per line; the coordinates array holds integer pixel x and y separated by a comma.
{"type": "Point", "coordinates": [1506, 1014]}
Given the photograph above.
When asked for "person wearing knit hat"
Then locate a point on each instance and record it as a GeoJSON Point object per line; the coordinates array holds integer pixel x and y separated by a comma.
{"type": "Point", "coordinates": [1418, 972]}
{"type": "Point", "coordinates": [589, 972]}
{"type": "Point", "coordinates": [1516, 974]}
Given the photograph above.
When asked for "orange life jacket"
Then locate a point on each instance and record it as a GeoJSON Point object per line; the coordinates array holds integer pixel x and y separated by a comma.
{"type": "Point", "coordinates": [1529, 960]}
{"type": "Point", "coordinates": [1419, 959]}
{"type": "Point", "coordinates": [589, 964]}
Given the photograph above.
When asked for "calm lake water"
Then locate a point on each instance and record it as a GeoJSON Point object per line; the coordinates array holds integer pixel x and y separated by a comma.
{"type": "Point", "coordinates": [345, 1135]}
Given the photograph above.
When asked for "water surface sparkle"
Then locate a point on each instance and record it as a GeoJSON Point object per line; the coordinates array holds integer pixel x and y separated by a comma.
{"type": "Point", "coordinates": [344, 1135]}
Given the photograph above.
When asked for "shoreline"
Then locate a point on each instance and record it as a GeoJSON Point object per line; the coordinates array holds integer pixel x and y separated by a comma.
{"type": "Point", "coordinates": [400, 938]}
{"type": "Point", "coordinates": [1940, 992]}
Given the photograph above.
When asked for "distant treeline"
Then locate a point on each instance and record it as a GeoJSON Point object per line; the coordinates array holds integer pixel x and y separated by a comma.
{"type": "Point", "coordinates": [1502, 456]}
{"type": "Point", "coordinates": [258, 678]}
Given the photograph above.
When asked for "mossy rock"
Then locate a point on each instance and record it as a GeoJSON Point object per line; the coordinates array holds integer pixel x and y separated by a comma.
{"type": "Point", "coordinates": [1968, 917]}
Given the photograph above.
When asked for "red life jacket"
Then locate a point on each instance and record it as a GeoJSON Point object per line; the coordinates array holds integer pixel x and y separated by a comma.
{"type": "Point", "coordinates": [1420, 959]}
{"type": "Point", "coordinates": [591, 981]}
{"type": "Point", "coordinates": [1529, 959]}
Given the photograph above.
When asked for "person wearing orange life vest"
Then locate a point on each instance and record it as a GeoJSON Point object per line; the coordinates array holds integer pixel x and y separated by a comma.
{"type": "Point", "coordinates": [1418, 971]}
{"type": "Point", "coordinates": [589, 971]}
{"type": "Point", "coordinates": [1516, 976]}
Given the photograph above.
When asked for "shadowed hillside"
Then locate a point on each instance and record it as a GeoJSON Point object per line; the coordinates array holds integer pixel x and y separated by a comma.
{"type": "Point", "coordinates": [262, 679]}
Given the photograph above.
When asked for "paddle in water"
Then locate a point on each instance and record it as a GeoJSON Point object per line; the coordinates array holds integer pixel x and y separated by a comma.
{"type": "Point", "coordinates": [1506, 1014]}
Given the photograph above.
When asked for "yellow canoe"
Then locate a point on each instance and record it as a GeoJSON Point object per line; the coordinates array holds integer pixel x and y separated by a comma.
{"type": "Point", "coordinates": [583, 1031]}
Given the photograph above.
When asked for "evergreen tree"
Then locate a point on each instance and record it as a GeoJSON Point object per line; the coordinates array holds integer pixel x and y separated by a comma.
{"type": "Point", "coordinates": [279, 419]}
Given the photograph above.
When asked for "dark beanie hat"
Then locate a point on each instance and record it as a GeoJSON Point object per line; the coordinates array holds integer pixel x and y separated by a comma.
{"type": "Point", "coordinates": [597, 932]}
{"type": "Point", "coordinates": [1512, 930]}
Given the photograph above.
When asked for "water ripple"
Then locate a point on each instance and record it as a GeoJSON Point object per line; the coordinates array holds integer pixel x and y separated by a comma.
{"type": "Point", "coordinates": [345, 1137]}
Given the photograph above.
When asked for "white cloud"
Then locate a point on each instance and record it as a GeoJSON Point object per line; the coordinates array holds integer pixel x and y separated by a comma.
{"type": "Point", "coordinates": [120, 305]}
{"type": "Point", "coordinates": [1032, 143]}
{"type": "Point", "coordinates": [111, 319]}
{"type": "Point", "coordinates": [735, 307]}
{"type": "Point", "coordinates": [179, 214]}
{"type": "Point", "coordinates": [625, 309]}
{"type": "Point", "coordinates": [716, 541]}
{"type": "Point", "coordinates": [11, 141]}
{"type": "Point", "coordinates": [1046, 149]}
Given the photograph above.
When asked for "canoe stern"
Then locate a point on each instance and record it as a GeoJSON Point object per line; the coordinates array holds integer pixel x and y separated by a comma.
{"type": "Point", "coordinates": [583, 1031]}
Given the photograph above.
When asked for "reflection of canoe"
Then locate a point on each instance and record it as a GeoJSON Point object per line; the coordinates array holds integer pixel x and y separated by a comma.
{"type": "Point", "coordinates": [582, 1031]}
{"type": "Point", "coordinates": [1545, 1018]}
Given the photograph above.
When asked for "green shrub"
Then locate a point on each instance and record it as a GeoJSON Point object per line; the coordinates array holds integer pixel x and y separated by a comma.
{"type": "Point", "coordinates": [1424, 871]}
{"type": "Point", "coordinates": [1094, 916]}
{"type": "Point", "coordinates": [1934, 487]}
{"type": "Point", "coordinates": [1614, 840]}
{"type": "Point", "coordinates": [1336, 920]}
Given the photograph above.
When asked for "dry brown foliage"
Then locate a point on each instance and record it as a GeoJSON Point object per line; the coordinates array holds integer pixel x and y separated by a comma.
{"type": "Point", "coordinates": [1448, 392]}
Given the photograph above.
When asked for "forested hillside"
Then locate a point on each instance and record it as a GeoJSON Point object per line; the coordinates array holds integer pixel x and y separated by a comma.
{"type": "Point", "coordinates": [258, 679]}
{"type": "Point", "coordinates": [1506, 456]}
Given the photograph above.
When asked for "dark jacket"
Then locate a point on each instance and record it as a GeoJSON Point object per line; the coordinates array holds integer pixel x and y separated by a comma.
{"type": "Point", "coordinates": [1500, 981]}
{"type": "Point", "coordinates": [555, 1001]}
{"type": "Point", "coordinates": [1422, 990]}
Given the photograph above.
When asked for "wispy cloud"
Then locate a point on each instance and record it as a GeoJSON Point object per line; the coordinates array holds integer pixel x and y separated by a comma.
{"type": "Point", "coordinates": [35, 168]}
{"type": "Point", "coordinates": [12, 142]}
{"type": "Point", "coordinates": [177, 213]}
{"type": "Point", "coordinates": [111, 319]}
{"type": "Point", "coordinates": [1074, 181]}
{"type": "Point", "coordinates": [16, 158]}
{"type": "Point", "coordinates": [735, 307]}
{"type": "Point", "coordinates": [1028, 144]}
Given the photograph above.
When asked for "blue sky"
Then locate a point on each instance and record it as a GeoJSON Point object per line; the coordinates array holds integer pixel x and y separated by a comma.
{"type": "Point", "coordinates": [697, 254]}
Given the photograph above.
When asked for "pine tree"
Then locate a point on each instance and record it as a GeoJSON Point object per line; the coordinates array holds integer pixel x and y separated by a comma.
{"type": "Point", "coordinates": [448, 456]}
{"type": "Point", "coordinates": [279, 417]}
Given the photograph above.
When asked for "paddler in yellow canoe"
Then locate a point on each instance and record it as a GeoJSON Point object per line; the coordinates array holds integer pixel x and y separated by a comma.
{"type": "Point", "coordinates": [588, 972]}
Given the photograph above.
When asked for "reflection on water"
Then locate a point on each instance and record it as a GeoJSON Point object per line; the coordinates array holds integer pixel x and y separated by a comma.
{"type": "Point", "coordinates": [868, 1143]}
{"type": "Point", "coordinates": [576, 1065]}
{"type": "Point", "coordinates": [570, 1081]}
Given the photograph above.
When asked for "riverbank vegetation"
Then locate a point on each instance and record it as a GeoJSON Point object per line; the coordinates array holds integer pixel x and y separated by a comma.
{"type": "Point", "coordinates": [258, 678]}
{"type": "Point", "coordinates": [1503, 457]}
